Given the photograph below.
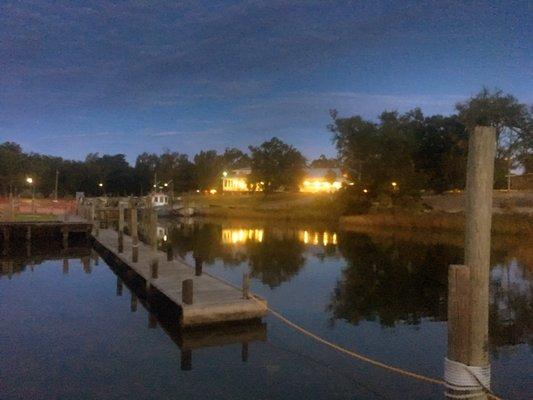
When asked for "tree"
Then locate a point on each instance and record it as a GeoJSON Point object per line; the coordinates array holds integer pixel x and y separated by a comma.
{"type": "Point", "coordinates": [513, 123]}
{"type": "Point", "coordinates": [208, 169]}
{"type": "Point", "coordinates": [277, 164]}
{"type": "Point", "coordinates": [12, 161]}
{"type": "Point", "coordinates": [234, 158]}
{"type": "Point", "coordinates": [324, 162]}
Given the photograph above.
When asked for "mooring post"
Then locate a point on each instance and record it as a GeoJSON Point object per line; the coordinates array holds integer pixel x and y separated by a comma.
{"type": "Point", "coordinates": [187, 291]}
{"type": "Point", "coordinates": [86, 262]}
{"type": "Point", "coordinates": [245, 285]}
{"type": "Point", "coordinates": [134, 235]}
{"type": "Point", "coordinates": [120, 227]}
{"type": "Point", "coordinates": [468, 318]}
{"type": "Point", "coordinates": [458, 313]}
{"type": "Point", "coordinates": [198, 263]}
{"type": "Point", "coordinates": [479, 186]}
{"type": "Point", "coordinates": [153, 229]}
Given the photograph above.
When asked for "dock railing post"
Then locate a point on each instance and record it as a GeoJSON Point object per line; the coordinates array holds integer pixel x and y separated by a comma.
{"type": "Point", "coordinates": [134, 235]}
{"type": "Point", "coordinates": [468, 313]}
{"type": "Point", "coordinates": [120, 227]}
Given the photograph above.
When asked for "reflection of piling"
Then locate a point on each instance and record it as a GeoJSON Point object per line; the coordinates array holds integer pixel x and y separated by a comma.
{"type": "Point", "coordinates": [198, 263]}
{"type": "Point", "coordinates": [119, 286]}
{"type": "Point", "coordinates": [65, 266]}
{"type": "Point", "coordinates": [133, 302]}
{"type": "Point", "coordinates": [467, 367]}
{"type": "Point", "coordinates": [186, 359]}
{"type": "Point", "coordinates": [246, 285]}
{"type": "Point", "coordinates": [244, 351]}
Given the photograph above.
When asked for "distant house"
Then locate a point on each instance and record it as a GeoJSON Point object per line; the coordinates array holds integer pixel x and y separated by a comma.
{"type": "Point", "coordinates": [159, 199]}
{"type": "Point", "coordinates": [315, 180]}
{"type": "Point", "coordinates": [322, 180]}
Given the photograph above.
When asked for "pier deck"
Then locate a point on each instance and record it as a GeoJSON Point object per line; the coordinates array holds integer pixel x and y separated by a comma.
{"type": "Point", "coordinates": [214, 301]}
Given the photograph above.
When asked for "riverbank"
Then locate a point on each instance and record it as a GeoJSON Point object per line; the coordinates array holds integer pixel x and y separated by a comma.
{"type": "Point", "coordinates": [513, 212]}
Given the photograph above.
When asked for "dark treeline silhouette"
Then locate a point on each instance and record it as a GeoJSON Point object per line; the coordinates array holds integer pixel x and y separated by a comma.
{"type": "Point", "coordinates": [414, 151]}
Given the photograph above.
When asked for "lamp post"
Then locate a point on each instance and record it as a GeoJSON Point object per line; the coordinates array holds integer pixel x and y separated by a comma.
{"type": "Point", "coordinates": [224, 174]}
{"type": "Point", "coordinates": [394, 186]}
{"type": "Point", "coordinates": [30, 182]}
{"type": "Point", "coordinates": [101, 186]}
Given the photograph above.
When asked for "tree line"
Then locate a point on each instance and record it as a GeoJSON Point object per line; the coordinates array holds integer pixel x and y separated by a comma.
{"type": "Point", "coordinates": [414, 151]}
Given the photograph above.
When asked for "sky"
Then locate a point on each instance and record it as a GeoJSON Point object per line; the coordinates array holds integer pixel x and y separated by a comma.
{"type": "Point", "coordinates": [132, 76]}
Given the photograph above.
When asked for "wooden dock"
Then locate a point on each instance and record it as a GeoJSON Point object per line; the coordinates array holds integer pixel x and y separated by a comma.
{"type": "Point", "coordinates": [213, 300]}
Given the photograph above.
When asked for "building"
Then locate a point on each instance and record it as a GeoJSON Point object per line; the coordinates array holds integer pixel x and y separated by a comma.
{"type": "Point", "coordinates": [236, 180]}
{"type": "Point", "coordinates": [322, 180]}
{"type": "Point", "coordinates": [315, 180]}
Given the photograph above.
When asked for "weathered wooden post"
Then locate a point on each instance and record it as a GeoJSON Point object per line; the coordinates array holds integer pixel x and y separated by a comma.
{"type": "Point", "coordinates": [187, 291]}
{"type": "Point", "coordinates": [120, 227]}
{"type": "Point", "coordinates": [245, 285]}
{"type": "Point", "coordinates": [86, 262]}
{"type": "Point", "coordinates": [134, 235]}
{"type": "Point", "coordinates": [198, 263]}
{"type": "Point", "coordinates": [479, 186]}
{"type": "Point", "coordinates": [467, 367]}
{"type": "Point", "coordinates": [153, 229]}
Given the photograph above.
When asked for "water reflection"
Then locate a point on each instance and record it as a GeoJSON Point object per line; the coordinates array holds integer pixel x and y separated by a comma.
{"type": "Point", "coordinates": [384, 278]}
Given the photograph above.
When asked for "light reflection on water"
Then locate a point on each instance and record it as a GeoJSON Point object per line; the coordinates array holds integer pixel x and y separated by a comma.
{"type": "Point", "coordinates": [384, 296]}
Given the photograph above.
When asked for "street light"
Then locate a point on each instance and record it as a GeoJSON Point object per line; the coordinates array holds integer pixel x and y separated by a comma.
{"type": "Point", "coordinates": [224, 174]}
{"type": "Point", "coordinates": [29, 179]}
{"type": "Point", "coordinates": [365, 191]}
{"type": "Point", "coordinates": [394, 186]}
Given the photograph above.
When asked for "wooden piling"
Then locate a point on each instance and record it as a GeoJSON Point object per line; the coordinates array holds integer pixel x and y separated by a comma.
{"type": "Point", "coordinates": [120, 227]}
{"type": "Point", "coordinates": [187, 291]}
{"type": "Point", "coordinates": [246, 285]}
{"type": "Point", "coordinates": [133, 302]}
{"type": "Point", "coordinates": [458, 313]}
{"type": "Point", "coordinates": [479, 187]}
{"type": "Point", "coordinates": [134, 235]}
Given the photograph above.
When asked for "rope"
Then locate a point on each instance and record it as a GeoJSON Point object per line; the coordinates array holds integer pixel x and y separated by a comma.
{"type": "Point", "coordinates": [380, 364]}
{"type": "Point", "coordinates": [480, 374]}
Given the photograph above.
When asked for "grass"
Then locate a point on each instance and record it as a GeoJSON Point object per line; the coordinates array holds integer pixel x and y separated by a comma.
{"type": "Point", "coordinates": [455, 222]}
{"type": "Point", "coordinates": [35, 217]}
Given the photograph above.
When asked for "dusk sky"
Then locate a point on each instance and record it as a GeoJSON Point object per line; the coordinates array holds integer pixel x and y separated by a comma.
{"type": "Point", "coordinates": [133, 76]}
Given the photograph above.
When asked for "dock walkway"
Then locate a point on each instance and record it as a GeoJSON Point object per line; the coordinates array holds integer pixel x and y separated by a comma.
{"type": "Point", "coordinates": [214, 301]}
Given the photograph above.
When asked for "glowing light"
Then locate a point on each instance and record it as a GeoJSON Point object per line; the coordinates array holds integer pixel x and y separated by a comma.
{"type": "Point", "coordinates": [394, 184]}
{"type": "Point", "coordinates": [325, 239]}
{"type": "Point", "coordinates": [213, 191]}
{"type": "Point", "coordinates": [101, 184]}
{"type": "Point", "coordinates": [29, 180]}
{"type": "Point", "coordinates": [224, 174]}
{"type": "Point", "coordinates": [239, 236]}
{"type": "Point", "coordinates": [365, 190]}
{"type": "Point", "coordinates": [165, 238]}
{"type": "Point", "coordinates": [165, 185]}
{"type": "Point", "coordinates": [197, 190]}
{"type": "Point", "coordinates": [334, 239]}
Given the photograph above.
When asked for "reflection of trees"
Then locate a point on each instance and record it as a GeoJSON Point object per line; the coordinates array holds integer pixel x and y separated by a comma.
{"type": "Point", "coordinates": [276, 259]}
{"type": "Point", "coordinates": [511, 308]}
{"type": "Point", "coordinates": [392, 281]}
{"type": "Point", "coordinates": [203, 240]}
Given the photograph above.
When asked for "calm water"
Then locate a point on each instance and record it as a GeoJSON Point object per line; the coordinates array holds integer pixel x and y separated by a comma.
{"type": "Point", "coordinates": [76, 330]}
